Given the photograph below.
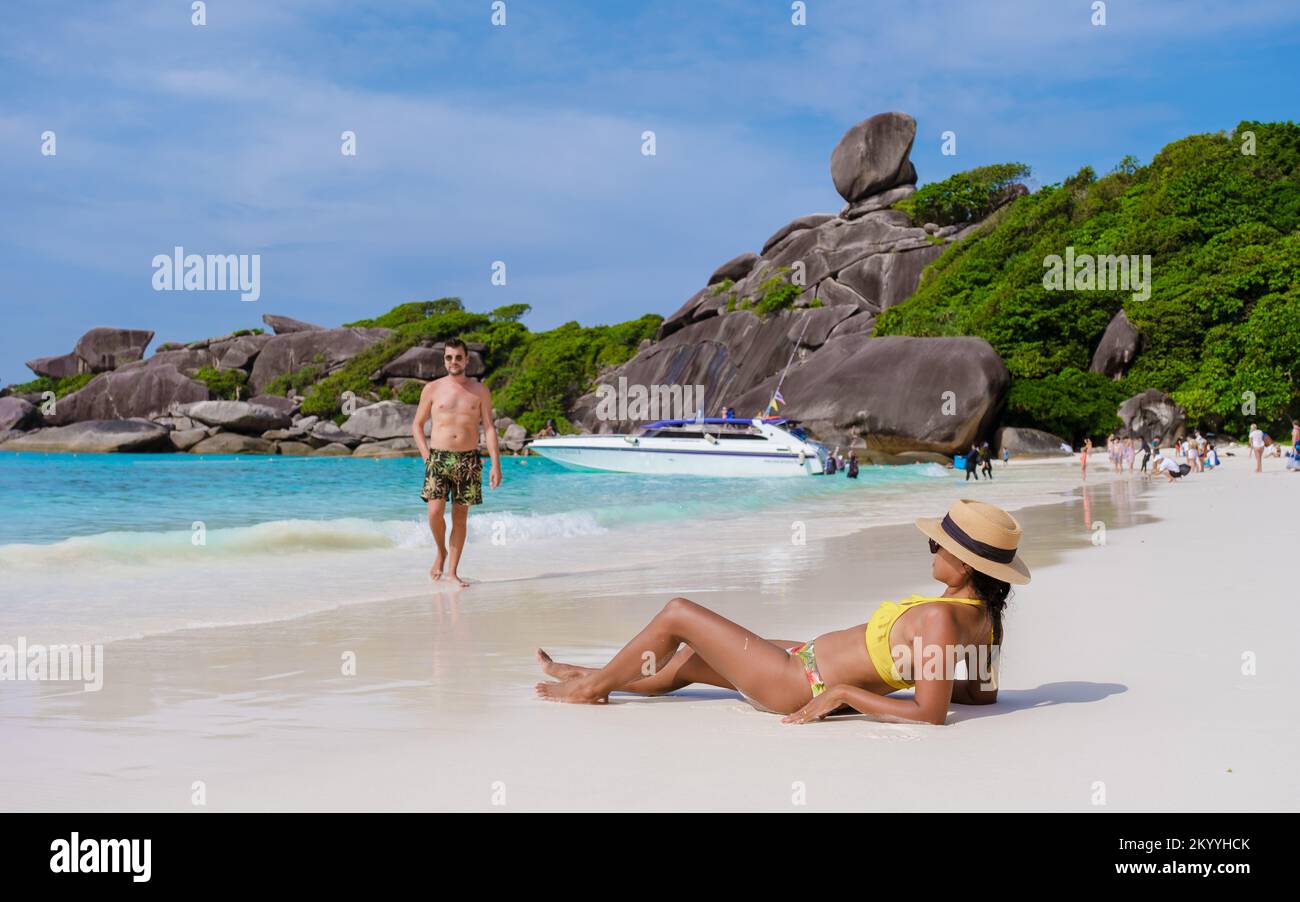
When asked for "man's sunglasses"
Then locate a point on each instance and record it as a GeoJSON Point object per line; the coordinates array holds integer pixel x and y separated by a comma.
{"type": "Point", "coordinates": [934, 546]}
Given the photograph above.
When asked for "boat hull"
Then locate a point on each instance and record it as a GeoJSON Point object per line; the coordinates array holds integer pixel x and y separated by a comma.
{"type": "Point", "coordinates": [670, 461]}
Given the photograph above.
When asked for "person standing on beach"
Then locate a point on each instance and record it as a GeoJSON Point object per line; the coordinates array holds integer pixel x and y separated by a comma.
{"type": "Point", "coordinates": [1146, 453]}
{"type": "Point", "coordinates": [972, 461]}
{"type": "Point", "coordinates": [986, 460]}
{"type": "Point", "coordinates": [1257, 446]}
{"type": "Point", "coordinates": [457, 406]}
{"type": "Point", "coordinates": [1083, 457]}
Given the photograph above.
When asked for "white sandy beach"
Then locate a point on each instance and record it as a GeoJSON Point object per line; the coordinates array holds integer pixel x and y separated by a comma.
{"type": "Point", "coordinates": [1122, 667]}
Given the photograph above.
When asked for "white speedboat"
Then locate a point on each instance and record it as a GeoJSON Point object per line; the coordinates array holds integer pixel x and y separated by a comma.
{"type": "Point", "coordinates": [706, 446]}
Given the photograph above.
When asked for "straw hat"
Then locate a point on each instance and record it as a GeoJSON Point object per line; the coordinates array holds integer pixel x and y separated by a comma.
{"type": "Point", "coordinates": [982, 535]}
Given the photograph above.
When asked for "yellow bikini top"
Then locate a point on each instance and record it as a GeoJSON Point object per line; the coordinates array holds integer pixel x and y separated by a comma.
{"type": "Point", "coordinates": [882, 623]}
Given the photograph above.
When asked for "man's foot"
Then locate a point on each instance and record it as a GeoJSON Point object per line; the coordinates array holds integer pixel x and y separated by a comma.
{"type": "Point", "coordinates": [435, 572]}
{"type": "Point", "coordinates": [458, 579]}
{"type": "Point", "coordinates": [575, 692]}
{"type": "Point", "coordinates": [561, 672]}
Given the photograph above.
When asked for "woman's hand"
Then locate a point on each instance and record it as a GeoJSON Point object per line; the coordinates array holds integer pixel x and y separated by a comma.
{"type": "Point", "coordinates": [816, 709]}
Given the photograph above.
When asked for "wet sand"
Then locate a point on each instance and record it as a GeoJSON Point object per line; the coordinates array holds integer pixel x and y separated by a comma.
{"type": "Point", "coordinates": [1121, 679]}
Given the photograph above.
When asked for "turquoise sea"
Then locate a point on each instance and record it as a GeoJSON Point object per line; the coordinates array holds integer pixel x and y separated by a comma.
{"type": "Point", "coordinates": [104, 546]}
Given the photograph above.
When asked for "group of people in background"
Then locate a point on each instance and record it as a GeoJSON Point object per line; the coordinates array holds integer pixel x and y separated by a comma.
{"type": "Point", "coordinates": [836, 463]}
{"type": "Point", "coordinates": [979, 459]}
{"type": "Point", "coordinates": [1197, 452]}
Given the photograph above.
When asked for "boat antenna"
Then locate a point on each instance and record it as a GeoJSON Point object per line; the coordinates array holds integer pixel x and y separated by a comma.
{"type": "Point", "coordinates": [776, 392]}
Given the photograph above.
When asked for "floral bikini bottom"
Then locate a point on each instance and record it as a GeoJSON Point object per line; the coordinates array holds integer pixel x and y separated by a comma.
{"type": "Point", "coordinates": [808, 656]}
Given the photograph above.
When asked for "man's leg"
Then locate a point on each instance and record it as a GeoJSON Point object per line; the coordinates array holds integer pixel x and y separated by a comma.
{"type": "Point", "coordinates": [459, 530]}
{"type": "Point", "coordinates": [438, 526]}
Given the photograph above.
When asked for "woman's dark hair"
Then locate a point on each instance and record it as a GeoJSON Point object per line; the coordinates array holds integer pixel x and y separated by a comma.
{"type": "Point", "coordinates": [994, 593]}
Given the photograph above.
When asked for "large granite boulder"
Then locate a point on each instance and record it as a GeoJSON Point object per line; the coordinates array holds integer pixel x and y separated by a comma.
{"type": "Point", "coordinates": [60, 367]}
{"type": "Point", "coordinates": [811, 221]}
{"type": "Point", "coordinates": [393, 447]}
{"type": "Point", "coordinates": [285, 325]}
{"type": "Point", "coordinates": [327, 432]}
{"type": "Point", "coordinates": [188, 360]}
{"type": "Point", "coordinates": [333, 449]}
{"type": "Point", "coordinates": [17, 413]}
{"type": "Point", "coordinates": [238, 353]}
{"type": "Point", "coordinates": [104, 348]}
{"type": "Point", "coordinates": [725, 356]}
{"type": "Point", "coordinates": [185, 439]}
{"type": "Point", "coordinates": [873, 156]}
{"type": "Point", "coordinates": [1029, 442]}
{"type": "Point", "coordinates": [734, 269]}
{"type": "Point", "coordinates": [328, 348]}
{"type": "Point", "coordinates": [895, 393]}
{"type": "Point", "coordinates": [136, 391]}
{"type": "Point", "coordinates": [385, 420]}
{"type": "Point", "coordinates": [95, 436]}
{"type": "Point", "coordinates": [1117, 348]}
{"type": "Point", "coordinates": [237, 416]}
{"type": "Point", "coordinates": [1152, 414]}
{"type": "Point", "coordinates": [884, 280]}
{"type": "Point", "coordinates": [232, 443]}
{"type": "Point", "coordinates": [286, 406]}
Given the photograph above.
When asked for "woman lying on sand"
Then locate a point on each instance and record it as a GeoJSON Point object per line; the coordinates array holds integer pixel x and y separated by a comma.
{"type": "Point", "coordinates": [974, 550]}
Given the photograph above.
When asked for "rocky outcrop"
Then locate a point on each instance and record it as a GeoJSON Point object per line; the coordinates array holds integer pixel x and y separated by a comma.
{"type": "Point", "coordinates": [734, 269]}
{"type": "Point", "coordinates": [385, 420]}
{"type": "Point", "coordinates": [1152, 414]}
{"type": "Point", "coordinates": [95, 436]}
{"type": "Point", "coordinates": [233, 443]}
{"type": "Point", "coordinates": [394, 447]}
{"type": "Point", "coordinates": [239, 352]}
{"type": "Point", "coordinates": [237, 416]}
{"type": "Point", "coordinates": [185, 439]}
{"type": "Point", "coordinates": [105, 348]}
{"type": "Point", "coordinates": [1023, 442]}
{"type": "Point", "coordinates": [139, 391]}
{"type": "Point", "coordinates": [327, 432]}
{"type": "Point", "coordinates": [187, 360]}
{"type": "Point", "coordinates": [850, 268]}
{"type": "Point", "coordinates": [333, 449]}
{"type": "Point", "coordinates": [1117, 348]}
{"type": "Point", "coordinates": [328, 348]}
{"type": "Point", "coordinates": [60, 367]}
{"type": "Point", "coordinates": [16, 413]}
{"type": "Point", "coordinates": [284, 325]}
{"type": "Point", "coordinates": [294, 449]}
{"type": "Point", "coordinates": [286, 406]}
{"type": "Point", "coordinates": [894, 394]}
{"type": "Point", "coordinates": [873, 156]}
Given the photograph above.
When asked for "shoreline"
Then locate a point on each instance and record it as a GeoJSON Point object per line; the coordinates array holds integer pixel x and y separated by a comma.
{"type": "Point", "coordinates": [441, 708]}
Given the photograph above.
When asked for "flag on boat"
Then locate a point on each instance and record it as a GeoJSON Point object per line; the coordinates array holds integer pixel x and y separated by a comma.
{"type": "Point", "coordinates": [777, 394]}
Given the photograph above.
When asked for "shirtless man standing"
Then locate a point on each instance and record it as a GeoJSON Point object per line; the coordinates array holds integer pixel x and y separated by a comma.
{"type": "Point", "coordinates": [453, 470]}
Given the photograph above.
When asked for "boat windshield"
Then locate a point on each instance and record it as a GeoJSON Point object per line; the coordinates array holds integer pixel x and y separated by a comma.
{"type": "Point", "coordinates": [724, 429]}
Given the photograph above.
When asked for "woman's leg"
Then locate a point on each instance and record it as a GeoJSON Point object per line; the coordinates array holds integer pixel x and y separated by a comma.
{"type": "Point", "coordinates": [746, 661]}
{"type": "Point", "coordinates": [685, 668]}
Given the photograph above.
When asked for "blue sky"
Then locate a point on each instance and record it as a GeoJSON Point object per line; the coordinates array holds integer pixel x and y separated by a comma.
{"type": "Point", "coordinates": [522, 143]}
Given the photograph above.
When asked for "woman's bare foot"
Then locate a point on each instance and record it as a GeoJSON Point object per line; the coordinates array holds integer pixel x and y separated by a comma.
{"type": "Point", "coordinates": [458, 579]}
{"type": "Point", "coordinates": [575, 692]}
{"type": "Point", "coordinates": [561, 672]}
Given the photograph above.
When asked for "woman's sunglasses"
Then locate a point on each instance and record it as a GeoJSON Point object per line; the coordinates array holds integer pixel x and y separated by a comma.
{"type": "Point", "coordinates": [934, 546]}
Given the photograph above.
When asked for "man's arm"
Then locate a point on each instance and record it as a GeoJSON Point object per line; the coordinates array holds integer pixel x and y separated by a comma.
{"type": "Point", "coordinates": [421, 418]}
{"type": "Point", "coordinates": [490, 432]}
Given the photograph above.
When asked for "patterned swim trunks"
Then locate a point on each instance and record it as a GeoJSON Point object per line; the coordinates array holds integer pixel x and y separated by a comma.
{"type": "Point", "coordinates": [455, 476]}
